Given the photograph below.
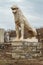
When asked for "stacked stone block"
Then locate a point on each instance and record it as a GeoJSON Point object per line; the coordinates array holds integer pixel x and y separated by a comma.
{"type": "Point", "coordinates": [26, 50]}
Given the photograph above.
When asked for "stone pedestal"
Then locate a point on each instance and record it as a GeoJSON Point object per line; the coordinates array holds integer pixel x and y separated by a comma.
{"type": "Point", "coordinates": [33, 39]}
{"type": "Point", "coordinates": [22, 49]}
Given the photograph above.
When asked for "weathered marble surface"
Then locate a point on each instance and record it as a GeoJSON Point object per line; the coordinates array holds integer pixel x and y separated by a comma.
{"type": "Point", "coordinates": [21, 23]}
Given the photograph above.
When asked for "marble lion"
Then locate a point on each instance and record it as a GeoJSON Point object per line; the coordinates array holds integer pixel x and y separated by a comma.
{"type": "Point", "coordinates": [21, 22]}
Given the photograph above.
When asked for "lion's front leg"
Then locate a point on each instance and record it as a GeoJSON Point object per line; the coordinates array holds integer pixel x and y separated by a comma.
{"type": "Point", "coordinates": [22, 31]}
{"type": "Point", "coordinates": [17, 31]}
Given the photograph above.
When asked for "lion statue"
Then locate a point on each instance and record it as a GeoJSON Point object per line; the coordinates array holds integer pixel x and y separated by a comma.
{"type": "Point", "coordinates": [21, 23]}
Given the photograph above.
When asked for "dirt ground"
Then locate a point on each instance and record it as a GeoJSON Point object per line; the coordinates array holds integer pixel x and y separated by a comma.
{"type": "Point", "coordinates": [21, 62]}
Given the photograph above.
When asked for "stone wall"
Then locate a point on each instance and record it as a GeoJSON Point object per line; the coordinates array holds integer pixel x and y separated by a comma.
{"type": "Point", "coordinates": [21, 50]}
{"type": "Point", "coordinates": [26, 50]}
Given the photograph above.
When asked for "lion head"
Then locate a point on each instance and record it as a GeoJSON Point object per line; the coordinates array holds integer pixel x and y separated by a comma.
{"type": "Point", "coordinates": [14, 9]}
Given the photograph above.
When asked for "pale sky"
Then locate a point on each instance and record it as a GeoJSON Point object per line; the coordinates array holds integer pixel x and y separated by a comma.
{"type": "Point", "coordinates": [32, 9]}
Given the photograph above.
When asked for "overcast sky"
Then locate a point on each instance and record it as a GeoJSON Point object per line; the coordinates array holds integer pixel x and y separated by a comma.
{"type": "Point", "coordinates": [32, 9]}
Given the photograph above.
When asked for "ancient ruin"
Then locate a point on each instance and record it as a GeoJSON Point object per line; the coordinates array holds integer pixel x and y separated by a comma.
{"type": "Point", "coordinates": [2, 36]}
{"type": "Point", "coordinates": [26, 48]}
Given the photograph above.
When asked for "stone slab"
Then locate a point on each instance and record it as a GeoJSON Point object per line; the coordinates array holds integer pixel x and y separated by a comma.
{"type": "Point", "coordinates": [2, 36]}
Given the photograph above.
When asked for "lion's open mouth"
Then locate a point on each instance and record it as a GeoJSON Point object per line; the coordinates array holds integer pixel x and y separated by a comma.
{"type": "Point", "coordinates": [14, 11]}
